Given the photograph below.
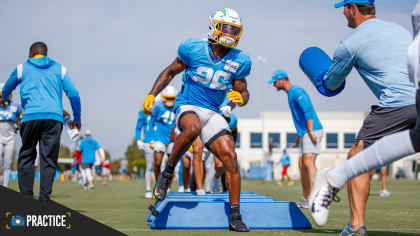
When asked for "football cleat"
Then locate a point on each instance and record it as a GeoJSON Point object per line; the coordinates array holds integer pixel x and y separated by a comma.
{"type": "Point", "coordinates": [321, 197]}
{"type": "Point", "coordinates": [225, 27]}
{"type": "Point", "coordinates": [236, 223]}
{"type": "Point", "coordinates": [303, 203]}
{"type": "Point", "coordinates": [348, 231]}
{"type": "Point", "coordinates": [148, 194]}
{"type": "Point", "coordinates": [161, 187]}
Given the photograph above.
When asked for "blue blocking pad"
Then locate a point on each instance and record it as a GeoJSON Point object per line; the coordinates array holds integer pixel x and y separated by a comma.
{"type": "Point", "coordinates": [161, 205]}
{"type": "Point", "coordinates": [215, 215]}
{"type": "Point", "coordinates": [315, 63]}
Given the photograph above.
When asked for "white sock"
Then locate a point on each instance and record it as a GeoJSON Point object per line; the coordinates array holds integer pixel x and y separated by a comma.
{"type": "Point", "coordinates": [6, 176]}
{"type": "Point", "coordinates": [88, 173]}
{"type": "Point", "coordinates": [148, 177]}
{"type": "Point", "coordinates": [388, 149]}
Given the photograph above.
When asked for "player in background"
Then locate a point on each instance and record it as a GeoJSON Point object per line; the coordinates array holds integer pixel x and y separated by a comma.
{"type": "Point", "coordinates": [285, 163]}
{"type": "Point", "coordinates": [89, 148]}
{"type": "Point", "coordinates": [143, 124]}
{"type": "Point", "coordinates": [381, 60]}
{"type": "Point", "coordinates": [383, 171]}
{"type": "Point", "coordinates": [9, 124]}
{"type": "Point", "coordinates": [211, 67]}
{"type": "Point", "coordinates": [106, 170]}
{"type": "Point", "coordinates": [97, 166]}
{"type": "Point", "coordinates": [163, 121]}
{"type": "Point", "coordinates": [123, 169]}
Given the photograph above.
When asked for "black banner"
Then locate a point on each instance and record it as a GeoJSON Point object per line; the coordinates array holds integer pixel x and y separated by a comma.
{"type": "Point", "coordinates": [21, 215]}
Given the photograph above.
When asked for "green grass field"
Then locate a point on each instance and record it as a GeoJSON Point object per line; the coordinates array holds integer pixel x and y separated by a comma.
{"type": "Point", "coordinates": [122, 206]}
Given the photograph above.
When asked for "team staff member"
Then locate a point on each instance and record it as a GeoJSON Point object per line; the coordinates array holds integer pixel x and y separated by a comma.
{"type": "Point", "coordinates": [42, 82]}
{"type": "Point", "coordinates": [308, 127]}
{"type": "Point", "coordinates": [378, 50]}
{"type": "Point", "coordinates": [9, 117]}
{"type": "Point", "coordinates": [386, 150]}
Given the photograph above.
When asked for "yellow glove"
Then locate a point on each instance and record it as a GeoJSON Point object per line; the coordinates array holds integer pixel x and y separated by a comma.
{"type": "Point", "coordinates": [235, 97]}
{"type": "Point", "coordinates": [191, 149]}
{"type": "Point", "coordinates": [148, 103]}
{"type": "Point", "coordinates": [152, 145]}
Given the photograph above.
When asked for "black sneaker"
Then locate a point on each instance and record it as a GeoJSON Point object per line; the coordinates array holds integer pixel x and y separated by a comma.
{"type": "Point", "coordinates": [162, 185]}
{"type": "Point", "coordinates": [236, 224]}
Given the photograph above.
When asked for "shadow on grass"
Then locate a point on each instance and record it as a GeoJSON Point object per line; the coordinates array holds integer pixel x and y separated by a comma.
{"type": "Point", "coordinates": [371, 233]}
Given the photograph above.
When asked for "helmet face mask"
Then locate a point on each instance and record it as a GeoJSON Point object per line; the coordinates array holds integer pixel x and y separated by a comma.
{"type": "Point", "coordinates": [225, 27]}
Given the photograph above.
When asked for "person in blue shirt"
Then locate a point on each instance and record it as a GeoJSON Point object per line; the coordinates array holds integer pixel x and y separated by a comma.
{"type": "Point", "coordinates": [89, 148]}
{"type": "Point", "coordinates": [210, 68]}
{"type": "Point", "coordinates": [162, 121]}
{"type": "Point", "coordinates": [9, 124]}
{"type": "Point", "coordinates": [143, 124]}
{"type": "Point", "coordinates": [285, 163]}
{"type": "Point", "coordinates": [309, 130]}
{"type": "Point", "coordinates": [378, 51]}
{"type": "Point", "coordinates": [42, 82]}
{"type": "Point", "coordinates": [390, 148]}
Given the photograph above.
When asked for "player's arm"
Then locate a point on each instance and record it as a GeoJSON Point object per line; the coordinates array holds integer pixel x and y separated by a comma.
{"type": "Point", "coordinates": [167, 75]}
{"type": "Point", "coordinates": [239, 94]}
{"type": "Point", "coordinates": [304, 102]}
{"type": "Point", "coordinates": [161, 82]}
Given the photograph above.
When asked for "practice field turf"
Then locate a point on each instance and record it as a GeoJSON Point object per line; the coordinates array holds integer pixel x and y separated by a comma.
{"type": "Point", "coordinates": [123, 206]}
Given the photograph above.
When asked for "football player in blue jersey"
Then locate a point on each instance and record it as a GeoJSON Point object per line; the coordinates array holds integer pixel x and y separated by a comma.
{"type": "Point", "coordinates": [9, 123]}
{"type": "Point", "coordinates": [162, 122]}
{"type": "Point", "coordinates": [143, 123]}
{"type": "Point", "coordinates": [211, 67]}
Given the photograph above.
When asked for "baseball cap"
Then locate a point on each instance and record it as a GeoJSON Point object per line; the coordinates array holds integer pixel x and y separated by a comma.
{"type": "Point", "coordinates": [278, 74]}
{"type": "Point", "coordinates": [345, 2]}
{"type": "Point", "coordinates": [87, 132]}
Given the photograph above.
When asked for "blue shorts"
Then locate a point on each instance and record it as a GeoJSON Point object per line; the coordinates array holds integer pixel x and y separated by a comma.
{"type": "Point", "coordinates": [123, 171]}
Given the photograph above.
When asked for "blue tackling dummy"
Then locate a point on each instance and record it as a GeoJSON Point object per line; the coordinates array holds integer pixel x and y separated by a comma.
{"type": "Point", "coordinates": [315, 64]}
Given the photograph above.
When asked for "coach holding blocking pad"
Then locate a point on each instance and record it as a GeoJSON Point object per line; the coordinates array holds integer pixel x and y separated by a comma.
{"type": "Point", "coordinates": [42, 82]}
{"type": "Point", "coordinates": [378, 50]}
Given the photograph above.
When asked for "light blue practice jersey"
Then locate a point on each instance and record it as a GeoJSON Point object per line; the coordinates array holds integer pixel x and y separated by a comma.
{"type": "Point", "coordinates": [285, 159]}
{"type": "Point", "coordinates": [88, 147]}
{"type": "Point", "coordinates": [162, 122]}
{"type": "Point", "coordinates": [143, 123]}
{"type": "Point", "coordinates": [302, 110]}
{"type": "Point", "coordinates": [11, 112]}
{"type": "Point", "coordinates": [378, 50]}
{"type": "Point", "coordinates": [207, 77]}
{"type": "Point", "coordinates": [42, 82]}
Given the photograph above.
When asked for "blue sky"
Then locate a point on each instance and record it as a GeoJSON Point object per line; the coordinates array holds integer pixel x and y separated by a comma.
{"type": "Point", "coordinates": [114, 50]}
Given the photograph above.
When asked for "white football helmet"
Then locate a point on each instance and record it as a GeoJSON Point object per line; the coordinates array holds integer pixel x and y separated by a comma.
{"type": "Point", "coordinates": [169, 96]}
{"type": "Point", "coordinates": [225, 27]}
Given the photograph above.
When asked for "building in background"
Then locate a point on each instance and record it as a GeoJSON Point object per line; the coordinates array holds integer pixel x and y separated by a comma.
{"type": "Point", "coordinates": [256, 148]}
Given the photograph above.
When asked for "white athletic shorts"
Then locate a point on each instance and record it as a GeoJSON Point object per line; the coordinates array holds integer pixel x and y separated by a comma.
{"type": "Point", "coordinates": [164, 148]}
{"type": "Point", "coordinates": [189, 155]}
{"type": "Point", "coordinates": [213, 124]}
{"type": "Point", "coordinates": [206, 155]}
{"type": "Point", "coordinates": [307, 146]}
